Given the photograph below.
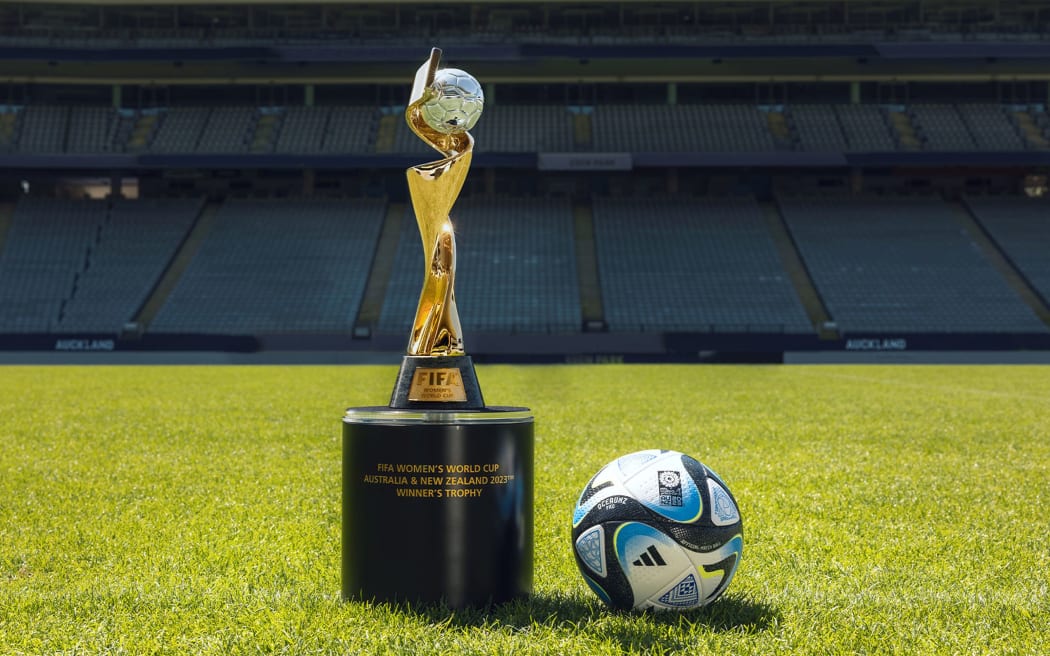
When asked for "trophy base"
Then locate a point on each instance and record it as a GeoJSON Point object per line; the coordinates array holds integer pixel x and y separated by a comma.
{"type": "Point", "coordinates": [437, 505]}
{"type": "Point", "coordinates": [441, 382]}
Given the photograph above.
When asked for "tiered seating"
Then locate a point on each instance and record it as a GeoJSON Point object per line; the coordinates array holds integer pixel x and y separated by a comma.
{"type": "Point", "coordinates": [901, 264]}
{"type": "Point", "coordinates": [134, 245]}
{"type": "Point", "coordinates": [678, 128]}
{"type": "Point", "coordinates": [1021, 227]}
{"type": "Point", "coordinates": [942, 127]}
{"type": "Point", "coordinates": [350, 129]}
{"type": "Point", "coordinates": [865, 128]}
{"type": "Point", "coordinates": [86, 266]}
{"type": "Point", "coordinates": [49, 242]}
{"type": "Point", "coordinates": [91, 129]}
{"type": "Point", "coordinates": [227, 130]}
{"type": "Point", "coordinates": [180, 130]}
{"type": "Point", "coordinates": [516, 268]}
{"type": "Point", "coordinates": [302, 130]}
{"type": "Point", "coordinates": [818, 128]}
{"type": "Point", "coordinates": [523, 128]}
{"type": "Point", "coordinates": [990, 127]}
{"type": "Point", "coordinates": [692, 264]}
{"type": "Point", "coordinates": [277, 266]}
{"type": "Point", "coordinates": [43, 129]}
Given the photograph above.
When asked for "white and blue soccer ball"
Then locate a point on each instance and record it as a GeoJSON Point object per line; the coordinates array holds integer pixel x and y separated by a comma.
{"type": "Point", "coordinates": [456, 102]}
{"type": "Point", "coordinates": [657, 529]}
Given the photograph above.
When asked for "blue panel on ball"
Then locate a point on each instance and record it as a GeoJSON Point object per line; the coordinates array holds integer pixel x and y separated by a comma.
{"type": "Point", "coordinates": [723, 510]}
{"type": "Point", "coordinates": [591, 547]}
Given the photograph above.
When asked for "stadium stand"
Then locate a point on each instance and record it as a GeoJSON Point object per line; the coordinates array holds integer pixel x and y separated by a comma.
{"type": "Point", "coordinates": [814, 96]}
{"type": "Point", "coordinates": [227, 130]}
{"type": "Point", "coordinates": [901, 263]}
{"type": "Point", "coordinates": [92, 130]}
{"type": "Point", "coordinates": [134, 244]}
{"type": "Point", "coordinates": [135, 130]}
{"type": "Point", "coordinates": [990, 127]}
{"type": "Point", "coordinates": [678, 128]}
{"type": "Point", "coordinates": [818, 129]}
{"type": "Point", "coordinates": [1033, 124]}
{"type": "Point", "coordinates": [302, 130]}
{"type": "Point", "coordinates": [179, 130]}
{"type": "Point", "coordinates": [942, 128]}
{"type": "Point", "coordinates": [277, 266]}
{"type": "Point", "coordinates": [86, 266]}
{"type": "Point", "coordinates": [1021, 227]}
{"type": "Point", "coordinates": [865, 128]}
{"type": "Point", "coordinates": [524, 129]}
{"type": "Point", "coordinates": [47, 248]}
{"type": "Point", "coordinates": [349, 129]}
{"type": "Point", "coordinates": [514, 128]}
{"type": "Point", "coordinates": [516, 268]}
{"type": "Point", "coordinates": [43, 129]}
{"type": "Point", "coordinates": [692, 264]}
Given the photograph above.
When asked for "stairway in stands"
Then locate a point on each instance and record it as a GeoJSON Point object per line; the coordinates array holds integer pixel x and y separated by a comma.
{"type": "Point", "coordinates": [1000, 260]}
{"type": "Point", "coordinates": [379, 274]}
{"type": "Point", "coordinates": [795, 267]}
{"type": "Point", "coordinates": [179, 261]}
{"type": "Point", "coordinates": [265, 131]}
{"type": "Point", "coordinates": [582, 133]}
{"type": "Point", "coordinates": [780, 127]}
{"type": "Point", "coordinates": [7, 215]}
{"type": "Point", "coordinates": [143, 128]}
{"type": "Point", "coordinates": [591, 307]}
{"type": "Point", "coordinates": [904, 128]}
{"type": "Point", "coordinates": [1030, 130]}
{"type": "Point", "coordinates": [386, 133]}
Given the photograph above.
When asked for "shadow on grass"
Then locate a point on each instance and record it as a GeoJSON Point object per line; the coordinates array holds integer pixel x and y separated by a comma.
{"type": "Point", "coordinates": [634, 628]}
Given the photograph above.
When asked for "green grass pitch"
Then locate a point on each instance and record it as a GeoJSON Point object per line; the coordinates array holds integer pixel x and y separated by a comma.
{"type": "Point", "coordinates": [887, 510]}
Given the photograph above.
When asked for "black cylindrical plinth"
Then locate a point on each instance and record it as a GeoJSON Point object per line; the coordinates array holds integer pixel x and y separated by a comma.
{"type": "Point", "coordinates": [437, 505]}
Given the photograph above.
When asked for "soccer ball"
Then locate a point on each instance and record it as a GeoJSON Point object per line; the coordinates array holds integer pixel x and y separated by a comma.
{"type": "Point", "coordinates": [456, 103]}
{"type": "Point", "coordinates": [657, 529]}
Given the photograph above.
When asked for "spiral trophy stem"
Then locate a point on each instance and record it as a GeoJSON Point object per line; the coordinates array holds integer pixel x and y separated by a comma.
{"type": "Point", "coordinates": [434, 188]}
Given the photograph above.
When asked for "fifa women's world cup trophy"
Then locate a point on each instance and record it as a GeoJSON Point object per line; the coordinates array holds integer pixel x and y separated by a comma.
{"type": "Point", "coordinates": [437, 486]}
{"type": "Point", "coordinates": [444, 104]}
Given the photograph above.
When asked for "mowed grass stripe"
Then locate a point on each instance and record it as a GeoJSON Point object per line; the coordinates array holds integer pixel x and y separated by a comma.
{"type": "Point", "coordinates": [896, 509]}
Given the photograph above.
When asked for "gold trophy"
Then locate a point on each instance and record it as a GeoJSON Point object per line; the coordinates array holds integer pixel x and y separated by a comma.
{"type": "Point", "coordinates": [444, 104]}
{"type": "Point", "coordinates": [454, 472]}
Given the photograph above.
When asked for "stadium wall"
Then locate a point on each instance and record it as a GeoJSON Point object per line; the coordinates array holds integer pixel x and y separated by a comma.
{"type": "Point", "coordinates": [536, 348]}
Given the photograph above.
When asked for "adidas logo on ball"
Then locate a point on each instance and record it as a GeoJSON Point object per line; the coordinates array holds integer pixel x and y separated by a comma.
{"type": "Point", "coordinates": [650, 558]}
